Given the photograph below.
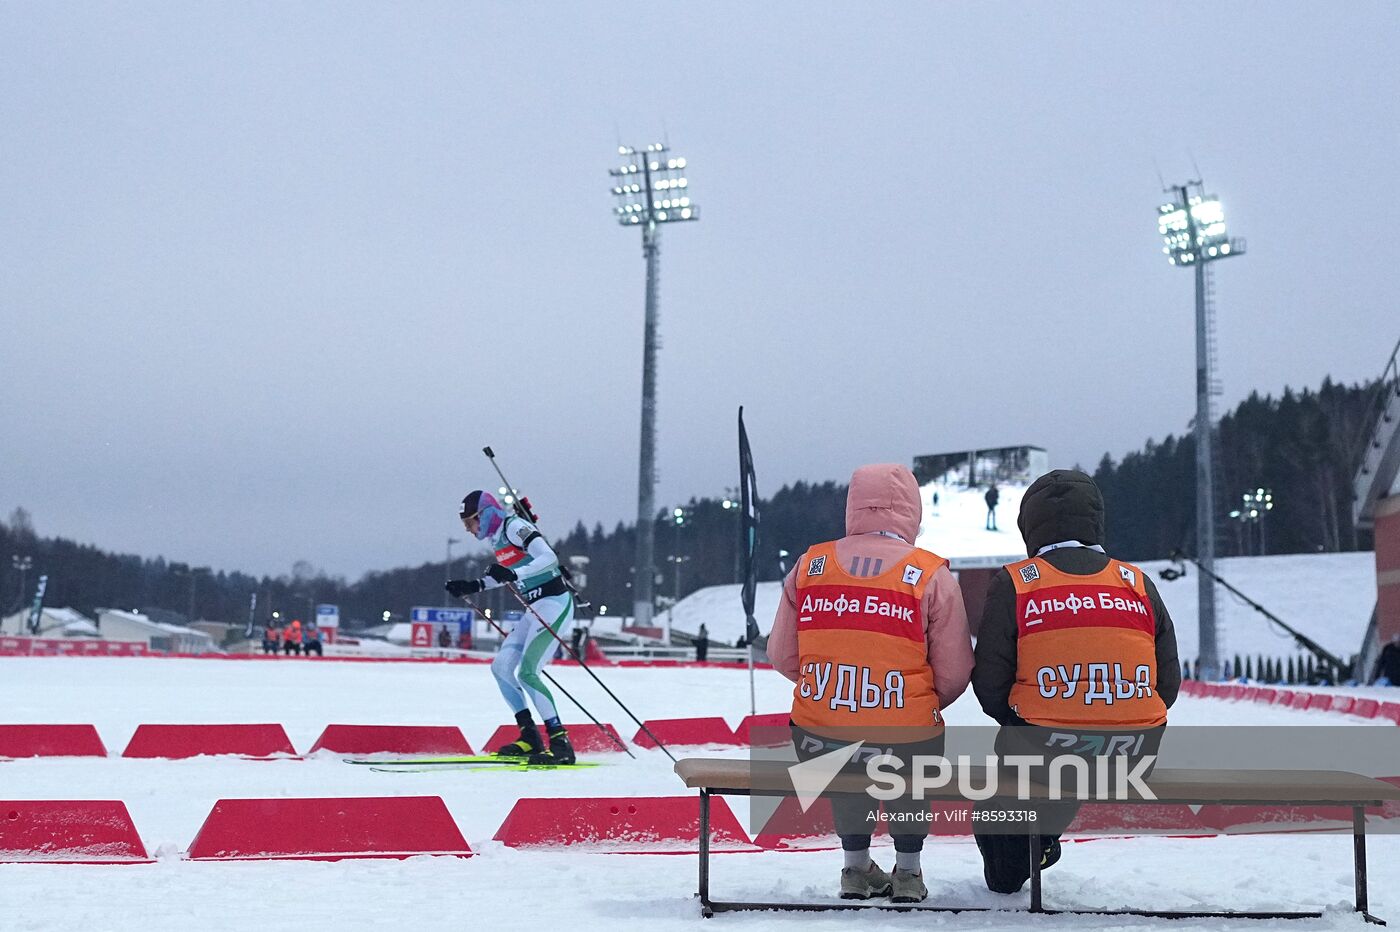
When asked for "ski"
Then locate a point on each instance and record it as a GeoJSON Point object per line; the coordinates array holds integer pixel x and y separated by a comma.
{"type": "Point", "coordinates": [431, 761]}
{"type": "Point", "coordinates": [518, 767]}
{"type": "Point", "coordinates": [473, 760]}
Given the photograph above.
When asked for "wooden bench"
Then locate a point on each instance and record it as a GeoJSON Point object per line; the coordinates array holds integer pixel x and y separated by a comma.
{"type": "Point", "coordinates": [714, 777]}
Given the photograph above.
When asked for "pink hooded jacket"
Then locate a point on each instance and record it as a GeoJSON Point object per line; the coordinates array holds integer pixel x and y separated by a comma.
{"type": "Point", "coordinates": [885, 498]}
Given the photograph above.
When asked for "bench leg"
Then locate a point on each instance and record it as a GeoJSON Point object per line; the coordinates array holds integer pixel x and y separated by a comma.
{"type": "Point", "coordinates": [705, 910]}
{"type": "Point", "coordinates": [1358, 849]}
{"type": "Point", "coordinates": [1034, 842]}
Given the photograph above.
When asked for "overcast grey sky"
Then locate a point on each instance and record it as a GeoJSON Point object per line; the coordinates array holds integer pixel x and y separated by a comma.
{"type": "Point", "coordinates": [272, 274]}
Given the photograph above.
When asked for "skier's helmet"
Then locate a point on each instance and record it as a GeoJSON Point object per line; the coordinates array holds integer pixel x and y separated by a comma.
{"type": "Point", "coordinates": [489, 513]}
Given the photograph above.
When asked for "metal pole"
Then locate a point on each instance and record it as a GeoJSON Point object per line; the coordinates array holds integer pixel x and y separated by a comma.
{"type": "Point", "coordinates": [1209, 656]}
{"type": "Point", "coordinates": [753, 702]}
{"type": "Point", "coordinates": [447, 567]}
{"type": "Point", "coordinates": [646, 465]}
{"type": "Point", "coordinates": [1358, 849]}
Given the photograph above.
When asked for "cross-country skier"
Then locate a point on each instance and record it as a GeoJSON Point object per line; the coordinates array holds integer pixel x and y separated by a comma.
{"type": "Point", "coordinates": [525, 560]}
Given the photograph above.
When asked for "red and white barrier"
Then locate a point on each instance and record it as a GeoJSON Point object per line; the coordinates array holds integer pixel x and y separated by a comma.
{"type": "Point", "coordinates": [1300, 700]}
{"type": "Point", "coordinates": [328, 829]}
{"type": "Point", "coordinates": [686, 732]}
{"type": "Point", "coordinates": [392, 739]}
{"type": "Point", "coordinates": [69, 831]}
{"type": "Point", "coordinates": [622, 825]}
{"type": "Point", "coordinates": [586, 739]}
{"type": "Point", "coordinates": [772, 730]}
{"type": "Point", "coordinates": [65, 647]}
{"type": "Point", "coordinates": [50, 741]}
{"type": "Point", "coordinates": [177, 741]}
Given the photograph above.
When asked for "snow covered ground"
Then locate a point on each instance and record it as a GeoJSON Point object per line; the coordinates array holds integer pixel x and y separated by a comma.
{"type": "Point", "coordinates": [1327, 596]}
{"type": "Point", "coordinates": [169, 800]}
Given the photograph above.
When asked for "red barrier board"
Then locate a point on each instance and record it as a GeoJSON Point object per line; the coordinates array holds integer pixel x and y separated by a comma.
{"type": "Point", "coordinates": [1389, 711]}
{"type": "Point", "coordinates": [1366, 708]}
{"type": "Point", "coordinates": [622, 825]}
{"type": "Point", "coordinates": [1100, 819]}
{"type": "Point", "coordinates": [686, 732]}
{"type": "Point", "coordinates": [50, 741]}
{"type": "Point", "coordinates": [14, 647]}
{"type": "Point", "coordinates": [1265, 819]}
{"type": "Point", "coordinates": [788, 828]}
{"type": "Point", "coordinates": [176, 741]}
{"type": "Point", "coordinates": [586, 739]}
{"type": "Point", "coordinates": [1343, 703]}
{"type": "Point", "coordinates": [773, 729]}
{"type": "Point", "coordinates": [392, 739]}
{"type": "Point", "coordinates": [327, 829]}
{"type": "Point", "coordinates": [69, 831]}
{"type": "Point", "coordinates": [79, 647]}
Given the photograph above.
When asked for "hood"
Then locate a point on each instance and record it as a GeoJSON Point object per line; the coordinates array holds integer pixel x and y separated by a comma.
{"type": "Point", "coordinates": [884, 497]}
{"type": "Point", "coordinates": [1063, 504]}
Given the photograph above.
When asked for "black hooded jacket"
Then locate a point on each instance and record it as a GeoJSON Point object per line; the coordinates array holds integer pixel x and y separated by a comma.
{"type": "Point", "coordinates": [1062, 505]}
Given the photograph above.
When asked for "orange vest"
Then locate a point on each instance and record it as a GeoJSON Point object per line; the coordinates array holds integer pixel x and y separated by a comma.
{"type": "Point", "coordinates": [862, 655]}
{"type": "Point", "coordinates": [1086, 648]}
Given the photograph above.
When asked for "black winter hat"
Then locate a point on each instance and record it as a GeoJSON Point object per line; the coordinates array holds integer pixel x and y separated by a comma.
{"type": "Point", "coordinates": [1063, 504]}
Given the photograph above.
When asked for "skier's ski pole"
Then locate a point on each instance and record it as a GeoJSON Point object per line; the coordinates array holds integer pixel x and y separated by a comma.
{"type": "Point", "coordinates": [589, 670]}
{"type": "Point", "coordinates": [567, 695]}
{"type": "Point", "coordinates": [524, 512]}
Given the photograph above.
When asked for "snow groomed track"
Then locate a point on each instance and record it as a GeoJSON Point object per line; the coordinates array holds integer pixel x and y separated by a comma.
{"type": "Point", "coordinates": [170, 799]}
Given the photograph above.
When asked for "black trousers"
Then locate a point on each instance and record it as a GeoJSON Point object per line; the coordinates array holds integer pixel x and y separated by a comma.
{"type": "Point", "coordinates": [856, 817]}
{"type": "Point", "coordinates": [1005, 857]}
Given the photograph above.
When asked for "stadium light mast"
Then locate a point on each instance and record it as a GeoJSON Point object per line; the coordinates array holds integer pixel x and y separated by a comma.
{"type": "Point", "coordinates": [1192, 227]}
{"type": "Point", "coordinates": [650, 188]}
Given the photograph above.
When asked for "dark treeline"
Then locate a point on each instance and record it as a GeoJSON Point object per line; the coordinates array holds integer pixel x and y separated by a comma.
{"type": "Point", "coordinates": [1301, 446]}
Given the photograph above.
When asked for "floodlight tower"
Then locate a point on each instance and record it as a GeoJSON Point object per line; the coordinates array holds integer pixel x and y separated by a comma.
{"type": "Point", "coordinates": [1193, 228]}
{"type": "Point", "coordinates": [651, 189]}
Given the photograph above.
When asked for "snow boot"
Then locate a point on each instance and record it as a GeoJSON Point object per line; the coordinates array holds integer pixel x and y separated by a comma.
{"type": "Point", "coordinates": [1004, 867]}
{"type": "Point", "coordinates": [862, 885]}
{"type": "Point", "coordinates": [528, 744]}
{"type": "Point", "coordinates": [908, 887]}
{"type": "Point", "coordinates": [1051, 851]}
{"type": "Point", "coordinates": [560, 751]}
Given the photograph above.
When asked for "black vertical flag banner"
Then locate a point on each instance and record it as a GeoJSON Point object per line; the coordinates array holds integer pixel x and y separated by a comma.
{"type": "Point", "coordinates": [748, 528]}
{"type": "Point", "coordinates": [252, 612]}
{"type": "Point", "coordinates": [36, 611]}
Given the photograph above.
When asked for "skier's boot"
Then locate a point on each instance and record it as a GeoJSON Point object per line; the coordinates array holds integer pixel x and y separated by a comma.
{"type": "Point", "coordinates": [863, 884]}
{"type": "Point", "coordinates": [528, 744]}
{"type": "Point", "coordinates": [560, 751]}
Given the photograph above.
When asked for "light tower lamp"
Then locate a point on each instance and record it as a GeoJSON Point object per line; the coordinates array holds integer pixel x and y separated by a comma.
{"type": "Point", "coordinates": [650, 189]}
{"type": "Point", "coordinates": [1193, 231]}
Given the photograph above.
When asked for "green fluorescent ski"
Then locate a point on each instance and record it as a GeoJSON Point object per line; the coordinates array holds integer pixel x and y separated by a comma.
{"type": "Point", "coordinates": [475, 759]}
{"type": "Point", "coordinates": [433, 761]}
{"type": "Point", "coordinates": [511, 768]}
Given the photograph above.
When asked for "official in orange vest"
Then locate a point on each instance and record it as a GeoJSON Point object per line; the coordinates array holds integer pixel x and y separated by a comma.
{"type": "Point", "coordinates": [873, 632]}
{"type": "Point", "coordinates": [292, 637]}
{"type": "Point", "coordinates": [1075, 652]}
